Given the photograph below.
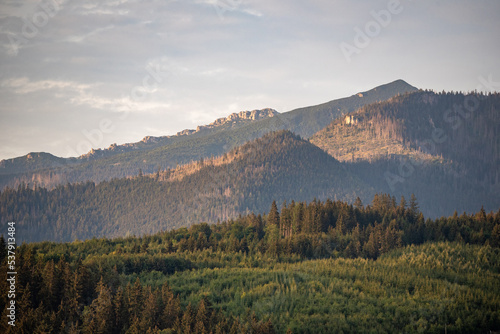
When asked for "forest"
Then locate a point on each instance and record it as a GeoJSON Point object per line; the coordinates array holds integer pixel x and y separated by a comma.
{"type": "Point", "coordinates": [303, 267]}
{"type": "Point", "coordinates": [121, 161]}
{"type": "Point", "coordinates": [423, 141]}
{"type": "Point", "coordinates": [447, 128]}
{"type": "Point", "coordinates": [279, 166]}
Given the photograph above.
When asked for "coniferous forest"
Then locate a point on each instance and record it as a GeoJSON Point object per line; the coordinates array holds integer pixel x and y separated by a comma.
{"type": "Point", "coordinates": [274, 236]}
{"type": "Point", "coordinates": [249, 167]}
{"type": "Point", "coordinates": [316, 267]}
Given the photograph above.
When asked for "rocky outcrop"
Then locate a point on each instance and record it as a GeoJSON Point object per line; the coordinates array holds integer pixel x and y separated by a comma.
{"type": "Point", "coordinates": [234, 118]}
{"type": "Point", "coordinates": [148, 141]}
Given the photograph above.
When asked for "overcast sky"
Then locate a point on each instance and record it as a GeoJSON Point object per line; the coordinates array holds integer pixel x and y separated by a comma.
{"type": "Point", "coordinates": [76, 74]}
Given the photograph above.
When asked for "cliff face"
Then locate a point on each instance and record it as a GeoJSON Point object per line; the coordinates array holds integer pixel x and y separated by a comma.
{"type": "Point", "coordinates": [231, 120]}
{"type": "Point", "coordinates": [47, 170]}
{"type": "Point", "coordinates": [234, 118]}
{"type": "Point", "coordinates": [163, 152]}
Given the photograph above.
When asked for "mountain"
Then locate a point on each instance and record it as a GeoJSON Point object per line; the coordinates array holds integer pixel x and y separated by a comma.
{"type": "Point", "coordinates": [442, 147]}
{"type": "Point", "coordinates": [235, 120]}
{"type": "Point", "coordinates": [390, 142]}
{"type": "Point", "coordinates": [46, 169]}
{"type": "Point", "coordinates": [307, 121]}
{"type": "Point", "coordinates": [419, 143]}
{"type": "Point", "coordinates": [154, 153]}
{"type": "Point", "coordinates": [279, 166]}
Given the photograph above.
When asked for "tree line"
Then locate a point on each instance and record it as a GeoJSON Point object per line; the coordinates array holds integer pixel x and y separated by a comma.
{"type": "Point", "coordinates": [177, 281]}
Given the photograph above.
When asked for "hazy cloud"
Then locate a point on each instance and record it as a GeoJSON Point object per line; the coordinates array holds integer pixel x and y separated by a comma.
{"type": "Point", "coordinates": [177, 64]}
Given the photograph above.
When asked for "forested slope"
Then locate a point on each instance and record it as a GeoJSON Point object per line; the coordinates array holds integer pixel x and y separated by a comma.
{"type": "Point", "coordinates": [278, 166]}
{"type": "Point", "coordinates": [443, 147]}
{"type": "Point", "coordinates": [307, 268]}
{"type": "Point", "coordinates": [152, 154]}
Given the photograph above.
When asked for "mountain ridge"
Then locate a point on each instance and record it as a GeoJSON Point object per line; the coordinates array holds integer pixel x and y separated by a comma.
{"type": "Point", "coordinates": [424, 143]}
{"type": "Point", "coordinates": [230, 120]}
{"type": "Point", "coordinates": [279, 166]}
{"type": "Point", "coordinates": [172, 151]}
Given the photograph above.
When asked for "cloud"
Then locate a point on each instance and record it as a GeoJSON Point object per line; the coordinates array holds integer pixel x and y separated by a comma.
{"type": "Point", "coordinates": [80, 94]}
{"type": "Point", "coordinates": [102, 8]}
{"type": "Point", "coordinates": [124, 104]}
{"type": "Point", "coordinates": [24, 86]}
{"type": "Point", "coordinates": [214, 72]}
{"type": "Point", "coordinates": [81, 38]}
{"type": "Point", "coordinates": [17, 9]}
{"type": "Point", "coordinates": [222, 7]}
{"type": "Point", "coordinates": [89, 58]}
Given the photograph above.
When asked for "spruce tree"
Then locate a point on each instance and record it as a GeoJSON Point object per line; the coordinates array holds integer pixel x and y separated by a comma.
{"type": "Point", "coordinates": [3, 249]}
{"type": "Point", "coordinates": [274, 216]}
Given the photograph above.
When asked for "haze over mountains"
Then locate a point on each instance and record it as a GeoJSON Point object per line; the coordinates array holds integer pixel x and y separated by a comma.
{"type": "Point", "coordinates": [442, 147]}
{"type": "Point", "coordinates": [278, 166]}
{"type": "Point", "coordinates": [392, 139]}
{"type": "Point", "coordinates": [153, 153]}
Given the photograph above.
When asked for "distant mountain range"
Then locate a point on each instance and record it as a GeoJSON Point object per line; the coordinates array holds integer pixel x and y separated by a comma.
{"type": "Point", "coordinates": [444, 148]}
{"type": "Point", "coordinates": [55, 166]}
{"type": "Point", "coordinates": [279, 166]}
{"type": "Point", "coordinates": [153, 153]}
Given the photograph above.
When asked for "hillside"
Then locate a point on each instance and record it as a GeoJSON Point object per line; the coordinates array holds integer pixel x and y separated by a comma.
{"type": "Point", "coordinates": [45, 169]}
{"type": "Point", "coordinates": [423, 142]}
{"type": "Point", "coordinates": [424, 125]}
{"type": "Point", "coordinates": [282, 166]}
{"type": "Point", "coordinates": [307, 121]}
{"type": "Point", "coordinates": [318, 267]}
{"type": "Point", "coordinates": [279, 166]}
{"type": "Point", "coordinates": [189, 145]}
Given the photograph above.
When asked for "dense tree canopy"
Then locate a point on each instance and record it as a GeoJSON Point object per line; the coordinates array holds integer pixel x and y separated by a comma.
{"type": "Point", "coordinates": [303, 268]}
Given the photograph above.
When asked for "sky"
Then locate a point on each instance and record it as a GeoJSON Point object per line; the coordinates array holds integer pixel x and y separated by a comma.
{"type": "Point", "coordinates": [76, 75]}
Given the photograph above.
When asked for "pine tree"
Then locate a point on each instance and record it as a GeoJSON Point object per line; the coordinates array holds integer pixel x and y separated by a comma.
{"type": "Point", "coordinates": [135, 299]}
{"type": "Point", "coordinates": [413, 210]}
{"type": "Point", "coordinates": [355, 244]}
{"type": "Point", "coordinates": [340, 226]}
{"type": "Point", "coordinates": [274, 216]}
{"type": "Point", "coordinates": [70, 304]}
{"type": "Point", "coordinates": [144, 247]}
{"type": "Point", "coordinates": [172, 309]}
{"type": "Point", "coordinates": [120, 311]}
{"type": "Point", "coordinates": [371, 247]}
{"type": "Point", "coordinates": [235, 328]}
{"type": "Point", "coordinates": [201, 241]}
{"type": "Point", "coordinates": [52, 286]}
{"type": "Point", "coordinates": [495, 236]}
{"type": "Point", "coordinates": [297, 217]}
{"type": "Point", "coordinates": [358, 204]}
{"type": "Point", "coordinates": [3, 249]}
{"type": "Point", "coordinates": [187, 320]}
{"type": "Point", "coordinates": [149, 315]}
{"type": "Point", "coordinates": [201, 320]}
{"type": "Point", "coordinates": [481, 215]}
{"type": "Point", "coordinates": [285, 221]}
{"type": "Point", "coordinates": [202, 313]}
{"type": "Point", "coordinates": [99, 316]}
{"type": "Point", "coordinates": [402, 206]}
{"type": "Point", "coordinates": [170, 246]}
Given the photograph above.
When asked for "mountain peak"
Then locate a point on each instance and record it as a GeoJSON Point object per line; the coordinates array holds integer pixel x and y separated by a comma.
{"type": "Point", "coordinates": [20, 164]}
{"type": "Point", "coordinates": [232, 119]}
{"type": "Point", "coordinates": [207, 140]}
{"type": "Point", "coordinates": [391, 88]}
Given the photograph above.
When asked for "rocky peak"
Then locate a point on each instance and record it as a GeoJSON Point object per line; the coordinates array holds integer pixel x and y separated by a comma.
{"type": "Point", "coordinates": [234, 118]}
